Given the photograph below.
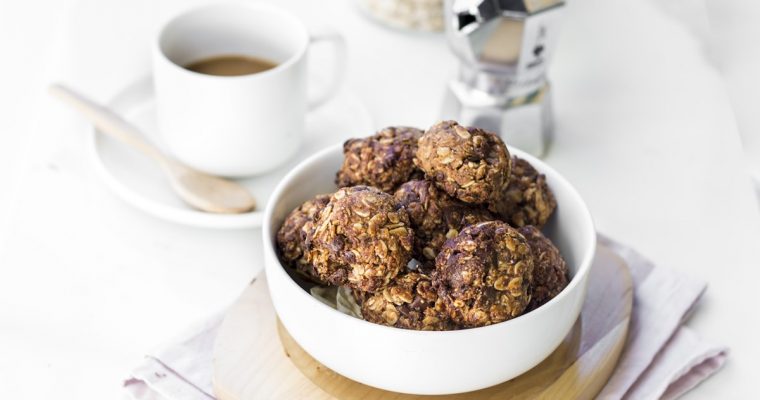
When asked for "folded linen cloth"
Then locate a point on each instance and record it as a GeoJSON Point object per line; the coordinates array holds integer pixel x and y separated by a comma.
{"type": "Point", "coordinates": [662, 359]}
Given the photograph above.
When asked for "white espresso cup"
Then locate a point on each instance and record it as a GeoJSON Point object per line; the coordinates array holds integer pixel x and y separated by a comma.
{"type": "Point", "coordinates": [237, 125]}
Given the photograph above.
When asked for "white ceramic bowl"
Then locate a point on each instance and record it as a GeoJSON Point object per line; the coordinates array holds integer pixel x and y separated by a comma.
{"type": "Point", "coordinates": [423, 362]}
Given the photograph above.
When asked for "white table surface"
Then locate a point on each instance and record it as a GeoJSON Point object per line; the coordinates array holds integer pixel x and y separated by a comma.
{"type": "Point", "coordinates": [88, 285]}
{"type": "Point", "coordinates": [737, 55]}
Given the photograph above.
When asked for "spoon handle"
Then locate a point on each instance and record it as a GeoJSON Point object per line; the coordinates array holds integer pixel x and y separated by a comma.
{"type": "Point", "coordinates": [107, 121]}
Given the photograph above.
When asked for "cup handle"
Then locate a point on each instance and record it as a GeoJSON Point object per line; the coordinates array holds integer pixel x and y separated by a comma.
{"type": "Point", "coordinates": [338, 43]}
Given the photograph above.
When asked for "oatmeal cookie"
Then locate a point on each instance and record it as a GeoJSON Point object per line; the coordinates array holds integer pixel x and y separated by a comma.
{"type": "Point", "coordinates": [435, 216]}
{"type": "Point", "coordinates": [467, 163]}
{"type": "Point", "coordinates": [295, 233]}
{"type": "Point", "coordinates": [409, 302]}
{"type": "Point", "coordinates": [384, 160]}
{"type": "Point", "coordinates": [483, 275]}
{"type": "Point", "coordinates": [549, 268]}
{"type": "Point", "coordinates": [362, 239]}
{"type": "Point", "coordinates": [527, 200]}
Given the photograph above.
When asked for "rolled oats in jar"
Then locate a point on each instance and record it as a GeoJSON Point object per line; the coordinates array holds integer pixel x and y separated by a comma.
{"type": "Point", "coordinates": [418, 15]}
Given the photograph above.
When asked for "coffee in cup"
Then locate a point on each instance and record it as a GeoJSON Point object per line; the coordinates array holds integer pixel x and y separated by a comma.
{"type": "Point", "coordinates": [232, 86]}
{"type": "Point", "coordinates": [231, 65]}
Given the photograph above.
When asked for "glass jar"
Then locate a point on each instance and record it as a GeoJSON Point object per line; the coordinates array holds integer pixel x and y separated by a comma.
{"type": "Point", "coordinates": [418, 15]}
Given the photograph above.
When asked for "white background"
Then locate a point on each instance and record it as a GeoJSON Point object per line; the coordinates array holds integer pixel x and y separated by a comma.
{"type": "Point", "coordinates": [650, 97]}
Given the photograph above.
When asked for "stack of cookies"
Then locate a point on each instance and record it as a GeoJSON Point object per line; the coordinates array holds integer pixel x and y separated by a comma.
{"type": "Point", "coordinates": [431, 230]}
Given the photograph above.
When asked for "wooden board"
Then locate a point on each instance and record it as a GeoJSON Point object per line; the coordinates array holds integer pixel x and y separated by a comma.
{"type": "Point", "coordinates": [255, 357]}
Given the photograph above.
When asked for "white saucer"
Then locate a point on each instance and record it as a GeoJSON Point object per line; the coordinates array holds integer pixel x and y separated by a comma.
{"type": "Point", "coordinates": [140, 182]}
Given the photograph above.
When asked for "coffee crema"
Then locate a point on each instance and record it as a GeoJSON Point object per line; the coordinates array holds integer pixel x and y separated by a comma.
{"type": "Point", "coordinates": [230, 65]}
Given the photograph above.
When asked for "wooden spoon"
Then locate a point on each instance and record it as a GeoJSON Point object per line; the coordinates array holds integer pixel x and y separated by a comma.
{"type": "Point", "coordinates": [198, 189]}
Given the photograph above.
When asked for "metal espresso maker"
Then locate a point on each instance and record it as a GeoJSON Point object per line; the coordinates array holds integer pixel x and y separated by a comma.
{"type": "Point", "coordinates": [504, 47]}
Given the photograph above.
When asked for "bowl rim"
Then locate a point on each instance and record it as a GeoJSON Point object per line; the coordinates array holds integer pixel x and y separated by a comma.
{"type": "Point", "coordinates": [582, 272]}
